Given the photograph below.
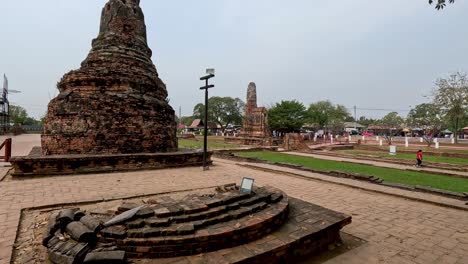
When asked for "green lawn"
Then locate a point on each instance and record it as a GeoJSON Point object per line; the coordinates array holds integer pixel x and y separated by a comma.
{"type": "Point", "coordinates": [388, 175]}
{"type": "Point", "coordinates": [407, 156]}
{"type": "Point", "coordinates": [431, 149]}
{"type": "Point", "coordinates": [213, 143]}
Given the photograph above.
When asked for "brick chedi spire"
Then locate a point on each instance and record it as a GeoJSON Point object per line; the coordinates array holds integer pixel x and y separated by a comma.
{"type": "Point", "coordinates": [255, 122]}
{"type": "Point", "coordinates": [251, 97]}
{"type": "Point", "coordinates": [115, 103]}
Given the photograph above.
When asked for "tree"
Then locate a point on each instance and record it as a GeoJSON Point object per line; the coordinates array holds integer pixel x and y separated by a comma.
{"type": "Point", "coordinates": [29, 121]}
{"type": "Point", "coordinates": [427, 117]}
{"type": "Point", "coordinates": [18, 115]}
{"type": "Point", "coordinates": [441, 3]}
{"type": "Point", "coordinates": [451, 96]}
{"type": "Point", "coordinates": [287, 116]}
{"type": "Point", "coordinates": [187, 120]}
{"type": "Point", "coordinates": [392, 122]}
{"type": "Point", "coordinates": [319, 113]}
{"type": "Point", "coordinates": [221, 110]}
{"type": "Point", "coordinates": [327, 115]}
{"type": "Point", "coordinates": [42, 120]}
{"type": "Point", "coordinates": [366, 121]}
{"type": "Point", "coordinates": [199, 110]}
{"type": "Point", "coordinates": [337, 118]}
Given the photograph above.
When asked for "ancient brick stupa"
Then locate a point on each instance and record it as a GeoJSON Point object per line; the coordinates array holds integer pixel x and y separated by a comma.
{"type": "Point", "coordinates": [115, 103]}
{"type": "Point", "coordinates": [256, 118]}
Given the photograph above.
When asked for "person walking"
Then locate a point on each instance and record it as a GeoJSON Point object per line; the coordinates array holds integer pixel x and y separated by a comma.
{"type": "Point", "coordinates": [419, 157]}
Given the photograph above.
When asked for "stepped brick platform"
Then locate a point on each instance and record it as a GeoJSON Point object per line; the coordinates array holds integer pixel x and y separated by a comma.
{"type": "Point", "coordinates": [226, 226]}
{"type": "Point", "coordinates": [307, 232]}
{"type": "Point", "coordinates": [36, 164]}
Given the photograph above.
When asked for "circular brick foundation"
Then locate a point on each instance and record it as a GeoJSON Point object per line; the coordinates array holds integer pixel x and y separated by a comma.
{"type": "Point", "coordinates": [200, 225]}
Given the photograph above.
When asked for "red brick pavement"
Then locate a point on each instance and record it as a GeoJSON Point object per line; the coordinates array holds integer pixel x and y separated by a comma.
{"type": "Point", "coordinates": [398, 230]}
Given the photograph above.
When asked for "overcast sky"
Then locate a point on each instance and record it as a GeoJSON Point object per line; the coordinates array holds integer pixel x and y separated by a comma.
{"type": "Point", "coordinates": [373, 54]}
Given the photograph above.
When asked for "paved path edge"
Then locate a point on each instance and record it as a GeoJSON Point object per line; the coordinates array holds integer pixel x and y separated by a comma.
{"type": "Point", "coordinates": [250, 166]}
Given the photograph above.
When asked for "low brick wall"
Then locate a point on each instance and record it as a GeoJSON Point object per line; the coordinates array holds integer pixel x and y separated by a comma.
{"type": "Point", "coordinates": [34, 165]}
{"type": "Point", "coordinates": [339, 147]}
{"type": "Point", "coordinates": [254, 141]}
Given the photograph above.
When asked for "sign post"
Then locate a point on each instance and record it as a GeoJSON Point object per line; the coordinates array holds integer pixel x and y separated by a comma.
{"type": "Point", "coordinates": [210, 74]}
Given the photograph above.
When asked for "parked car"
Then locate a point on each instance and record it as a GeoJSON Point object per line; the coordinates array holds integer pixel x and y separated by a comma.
{"type": "Point", "coordinates": [367, 134]}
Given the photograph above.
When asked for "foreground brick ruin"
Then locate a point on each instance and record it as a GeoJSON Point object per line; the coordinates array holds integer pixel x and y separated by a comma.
{"type": "Point", "coordinates": [112, 114]}
{"type": "Point", "coordinates": [115, 103]}
{"type": "Point", "coordinates": [260, 227]}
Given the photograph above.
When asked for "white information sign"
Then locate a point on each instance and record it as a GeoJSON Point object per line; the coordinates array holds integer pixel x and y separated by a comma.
{"type": "Point", "coordinates": [392, 150]}
{"type": "Point", "coordinates": [247, 185]}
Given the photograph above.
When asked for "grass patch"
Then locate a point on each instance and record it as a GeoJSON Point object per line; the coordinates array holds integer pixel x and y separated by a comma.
{"type": "Point", "coordinates": [213, 143]}
{"type": "Point", "coordinates": [407, 156]}
{"type": "Point", "coordinates": [389, 175]}
{"type": "Point", "coordinates": [431, 149]}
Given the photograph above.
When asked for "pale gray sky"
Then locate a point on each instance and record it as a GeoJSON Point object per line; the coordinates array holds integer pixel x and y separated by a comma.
{"type": "Point", "coordinates": [373, 54]}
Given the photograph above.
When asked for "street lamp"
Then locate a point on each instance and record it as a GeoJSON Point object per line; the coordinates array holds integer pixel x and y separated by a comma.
{"type": "Point", "coordinates": [210, 74]}
{"type": "Point", "coordinates": [14, 91]}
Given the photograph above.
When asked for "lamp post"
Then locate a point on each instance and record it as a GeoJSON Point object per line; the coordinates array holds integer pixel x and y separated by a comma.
{"type": "Point", "coordinates": [210, 74]}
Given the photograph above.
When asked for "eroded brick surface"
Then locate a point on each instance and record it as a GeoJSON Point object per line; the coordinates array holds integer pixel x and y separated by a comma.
{"type": "Point", "coordinates": [256, 118]}
{"type": "Point", "coordinates": [115, 103]}
{"type": "Point", "coordinates": [180, 231]}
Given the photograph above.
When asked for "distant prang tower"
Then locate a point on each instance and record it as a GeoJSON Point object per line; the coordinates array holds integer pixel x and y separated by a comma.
{"type": "Point", "coordinates": [256, 118]}
{"type": "Point", "coordinates": [115, 103]}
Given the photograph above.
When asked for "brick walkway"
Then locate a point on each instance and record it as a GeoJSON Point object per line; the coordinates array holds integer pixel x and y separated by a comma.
{"type": "Point", "coordinates": [398, 230]}
{"type": "Point", "coordinates": [21, 145]}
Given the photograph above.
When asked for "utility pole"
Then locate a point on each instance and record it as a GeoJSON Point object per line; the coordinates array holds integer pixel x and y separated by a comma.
{"type": "Point", "coordinates": [355, 118]}
{"type": "Point", "coordinates": [5, 106]}
{"type": "Point", "coordinates": [180, 114]}
{"type": "Point", "coordinates": [210, 75]}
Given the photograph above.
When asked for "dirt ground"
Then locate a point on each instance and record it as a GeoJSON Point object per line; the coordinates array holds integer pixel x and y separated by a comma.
{"type": "Point", "coordinates": [33, 224]}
